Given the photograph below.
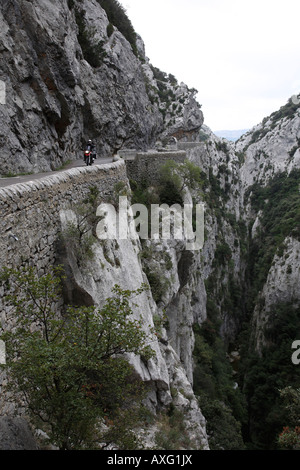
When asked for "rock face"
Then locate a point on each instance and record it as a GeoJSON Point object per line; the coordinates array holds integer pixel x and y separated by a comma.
{"type": "Point", "coordinates": [71, 75]}
{"type": "Point", "coordinates": [272, 146]}
{"type": "Point", "coordinates": [281, 287]}
{"type": "Point", "coordinates": [270, 153]}
{"type": "Point", "coordinates": [15, 434]}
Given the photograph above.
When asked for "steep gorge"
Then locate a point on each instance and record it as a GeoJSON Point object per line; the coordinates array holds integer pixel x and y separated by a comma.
{"type": "Point", "coordinates": [219, 310]}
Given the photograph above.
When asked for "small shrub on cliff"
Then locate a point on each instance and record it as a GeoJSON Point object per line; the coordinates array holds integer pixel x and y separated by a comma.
{"type": "Point", "coordinates": [79, 234]}
{"type": "Point", "coordinates": [92, 51]}
{"type": "Point", "coordinates": [70, 369]}
{"type": "Point", "coordinates": [118, 17]}
{"type": "Point", "coordinates": [171, 434]}
{"type": "Point", "coordinates": [174, 177]}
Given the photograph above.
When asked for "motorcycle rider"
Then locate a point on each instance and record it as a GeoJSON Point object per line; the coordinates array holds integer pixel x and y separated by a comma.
{"type": "Point", "coordinates": [92, 148]}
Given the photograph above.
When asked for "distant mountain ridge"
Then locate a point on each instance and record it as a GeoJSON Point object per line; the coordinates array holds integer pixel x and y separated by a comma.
{"type": "Point", "coordinates": [231, 134]}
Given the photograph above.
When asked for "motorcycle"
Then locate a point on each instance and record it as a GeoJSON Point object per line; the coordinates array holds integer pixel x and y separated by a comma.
{"type": "Point", "coordinates": [88, 157]}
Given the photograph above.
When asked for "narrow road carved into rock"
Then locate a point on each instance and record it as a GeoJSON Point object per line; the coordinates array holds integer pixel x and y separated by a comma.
{"type": "Point", "coordinates": [36, 176]}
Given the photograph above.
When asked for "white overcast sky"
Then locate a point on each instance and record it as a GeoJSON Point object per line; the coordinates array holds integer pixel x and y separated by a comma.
{"type": "Point", "coordinates": [242, 56]}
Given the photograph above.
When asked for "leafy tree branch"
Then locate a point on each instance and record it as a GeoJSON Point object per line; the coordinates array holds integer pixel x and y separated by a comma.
{"type": "Point", "coordinates": [70, 367]}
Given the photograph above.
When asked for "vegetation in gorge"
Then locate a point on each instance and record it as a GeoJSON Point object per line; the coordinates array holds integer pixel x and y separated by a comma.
{"type": "Point", "coordinates": [219, 400]}
{"type": "Point", "coordinates": [263, 374]}
{"type": "Point", "coordinates": [253, 415]}
{"type": "Point", "coordinates": [244, 411]}
{"type": "Point", "coordinates": [279, 203]}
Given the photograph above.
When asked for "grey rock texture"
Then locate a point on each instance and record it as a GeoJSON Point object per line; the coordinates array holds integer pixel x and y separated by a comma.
{"type": "Point", "coordinates": [15, 434]}
{"type": "Point", "coordinates": [281, 286]}
{"type": "Point", "coordinates": [272, 146]}
{"type": "Point", "coordinates": [55, 98]}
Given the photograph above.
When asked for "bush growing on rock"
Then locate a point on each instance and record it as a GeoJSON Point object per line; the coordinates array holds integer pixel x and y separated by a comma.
{"type": "Point", "coordinates": [70, 368]}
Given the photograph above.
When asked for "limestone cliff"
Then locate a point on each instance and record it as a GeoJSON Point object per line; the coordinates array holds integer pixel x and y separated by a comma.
{"type": "Point", "coordinates": [270, 192]}
{"type": "Point", "coordinates": [70, 75]}
{"type": "Point", "coordinates": [169, 374]}
{"type": "Point", "coordinates": [272, 146]}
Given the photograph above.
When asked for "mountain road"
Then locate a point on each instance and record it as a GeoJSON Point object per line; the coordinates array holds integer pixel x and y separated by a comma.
{"type": "Point", "coordinates": [10, 180]}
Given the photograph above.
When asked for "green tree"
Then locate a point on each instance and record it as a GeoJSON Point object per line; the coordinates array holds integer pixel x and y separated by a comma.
{"type": "Point", "coordinates": [70, 368]}
{"type": "Point", "coordinates": [289, 438]}
{"type": "Point", "coordinates": [182, 174]}
{"type": "Point", "coordinates": [223, 429]}
{"type": "Point", "coordinates": [221, 402]}
{"type": "Point", "coordinates": [174, 177]}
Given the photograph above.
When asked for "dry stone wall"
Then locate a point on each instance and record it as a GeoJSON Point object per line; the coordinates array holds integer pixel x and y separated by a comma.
{"type": "Point", "coordinates": [29, 212]}
{"type": "Point", "coordinates": [145, 166]}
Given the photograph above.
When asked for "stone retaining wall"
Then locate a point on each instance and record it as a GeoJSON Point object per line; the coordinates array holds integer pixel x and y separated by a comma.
{"type": "Point", "coordinates": [144, 167]}
{"type": "Point", "coordinates": [188, 145]}
{"type": "Point", "coordinates": [29, 212]}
